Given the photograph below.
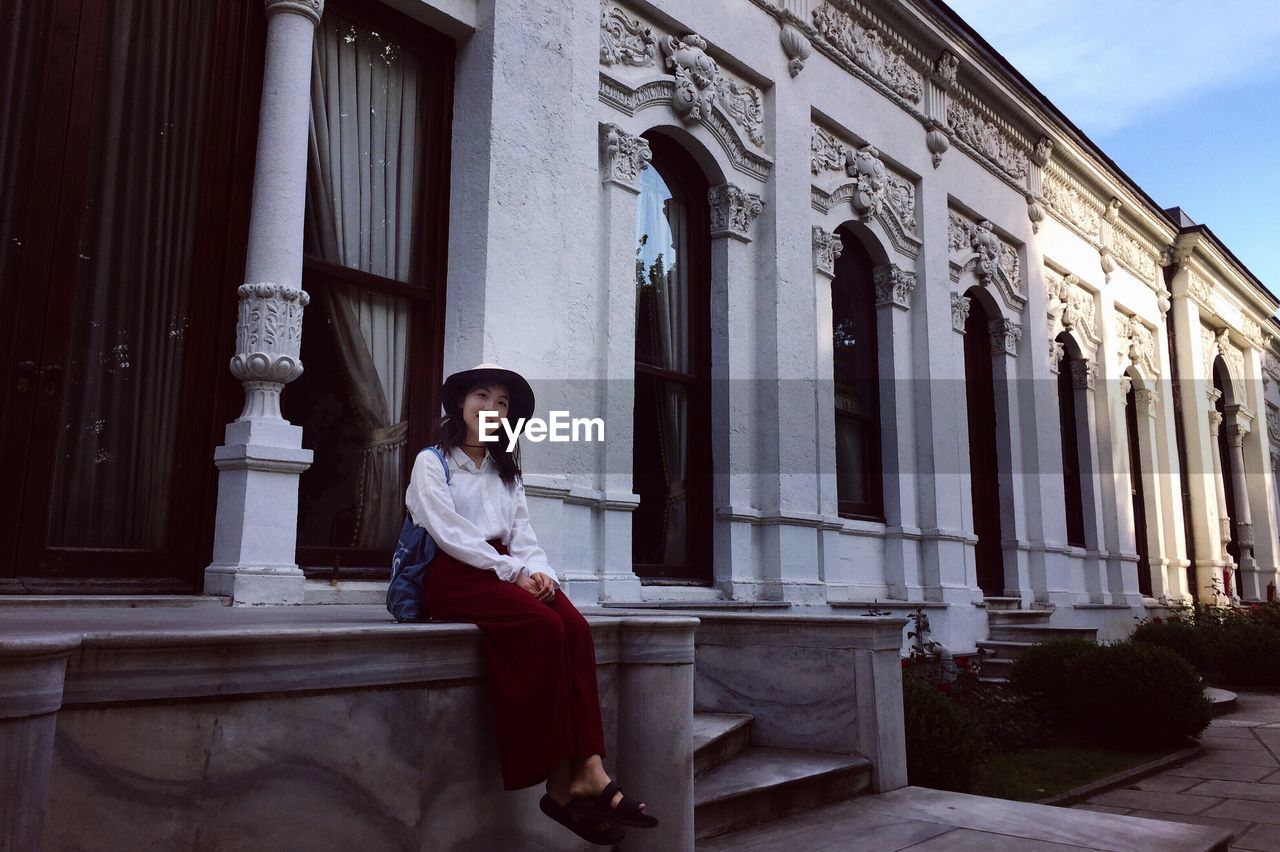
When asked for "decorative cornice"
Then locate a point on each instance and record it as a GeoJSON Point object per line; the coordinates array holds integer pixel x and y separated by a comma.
{"type": "Point", "coordinates": [733, 209]}
{"type": "Point", "coordinates": [623, 156]}
{"type": "Point", "coordinates": [863, 46]}
{"type": "Point", "coordinates": [627, 100]}
{"type": "Point", "coordinates": [988, 138]}
{"type": "Point", "coordinates": [893, 286]}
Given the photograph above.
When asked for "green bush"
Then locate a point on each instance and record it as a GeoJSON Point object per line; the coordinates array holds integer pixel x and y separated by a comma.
{"type": "Point", "coordinates": [1248, 654]}
{"type": "Point", "coordinates": [1195, 643]}
{"type": "Point", "coordinates": [1138, 694]}
{"type": "Point", "coordinates": [945, 744]}
{"type": "Point", "coordinates": [1043, 673]}
{"type": "Point", "coordinates": [1010, 721]}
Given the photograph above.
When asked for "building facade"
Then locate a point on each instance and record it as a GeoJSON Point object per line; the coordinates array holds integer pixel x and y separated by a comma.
{"type": "Point", "coordinates": [869, 322]}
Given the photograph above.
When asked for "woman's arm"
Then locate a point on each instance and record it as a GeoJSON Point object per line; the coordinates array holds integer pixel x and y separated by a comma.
{"type": "Point", "coordinates": [430, 504]}
{"type": "Point", "coordinates": [524, 544]}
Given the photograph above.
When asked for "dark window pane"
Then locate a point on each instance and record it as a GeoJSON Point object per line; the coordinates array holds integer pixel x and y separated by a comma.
{"type": "Point", "coordinates": [662, 281]}
{"type": "Point", "coordinates": [660, 523]}
{"type": "Point", "coordinates": [854, 369]}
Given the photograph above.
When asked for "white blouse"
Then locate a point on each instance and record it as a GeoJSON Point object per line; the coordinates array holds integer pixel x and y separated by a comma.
{"type": "Point", "coordinates": [475, 505]}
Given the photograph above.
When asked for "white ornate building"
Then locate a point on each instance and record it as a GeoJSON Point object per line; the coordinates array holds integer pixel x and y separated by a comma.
{"type": "Point", "coordinates": [842, 284]}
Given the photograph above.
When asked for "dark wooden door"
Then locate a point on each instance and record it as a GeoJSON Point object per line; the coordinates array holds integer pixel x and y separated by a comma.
{"type": "Point", "coordinates": [983, 464]}
{"type": "Point", "coordinates": [127, 187]}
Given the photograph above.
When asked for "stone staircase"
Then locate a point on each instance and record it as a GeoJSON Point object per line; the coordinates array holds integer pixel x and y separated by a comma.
{"type": "Point", "coordinates": [1012, 630]}
{"type": "Point", "coordinates": [737, 784]}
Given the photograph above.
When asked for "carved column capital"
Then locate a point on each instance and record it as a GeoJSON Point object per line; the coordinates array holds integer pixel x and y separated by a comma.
{"type": "Point", "coordinates": [1236, 432]}
{"type": "Point", "coordinates": [959, 311]}
{"type": "Point", "coordinates": [268, 342]}
{"type": "Point", "coordinates": [1148, 402]}
{"type": "Point", "coordinates": [623, 156]}
{"type": "Point", "coordinates": [893, 286]}
{"type": "Point", "coordinates": [312, 9]}
{"type": "Point", "coordinates": [1083, 374]}
{"type": "Point", "coordinates": [1005, 335]}
{"type": "Point", "coordinates": [733, 209]}
{"type": "Point", "coordinates": [826, 251]}
{"type": "Point", "coordinates": [1056, 351]}
{"type": "Point", "coordinates": [1215, 422]}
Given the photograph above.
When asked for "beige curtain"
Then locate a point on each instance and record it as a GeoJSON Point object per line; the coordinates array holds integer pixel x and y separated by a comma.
{"type": "Point", "coordinates": [365, 125]}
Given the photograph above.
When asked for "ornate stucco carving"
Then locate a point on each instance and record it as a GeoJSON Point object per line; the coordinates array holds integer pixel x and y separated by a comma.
{"type": "Point", "coordinates": [1208, 351]}
{"type": "Point", "coordinates": [268, 341]}
{"type": "Point", "coordinates": [795, 45]}
{"type": "Point", "coordinates": [1071, 203]}
{"type": "Point", "coordinates": [987, 139]}
{"type": "Point", "coordinates": [1200, 288]}
{"type": "Point", "coordinates": [1056, 351]}
{"type": "Point", "coordinates": [826, 251]}
{"type": "Point", "coordinates": [1251, 329]}
{"type": "Point", "coordinates": [733, 209]}
{"type": "Point", "coordinates": [959, 311]}
{"type": "Point", "coordinates": [623, 156]}
{"type": "Point", "coordinates": [900, 196]}
{"type": "Point", "coordinates": [893, 285]}
{"type": "Point", "coordinates": [1136, 345]}
{"type": "Point", "coordinates": [1148, 402]}
{"type": "Point", "coordinates": [700, 87]}
{"type": "Point", "coordinates": [868, 175]}
{"type": "Point", "coordinates": [1070, 307]}
{"type": "Point", "coordinates": [826, 151]}
{"type": "Point", "coordinates": [624, 40]}
{"type": "Point", "coordinates": [1035, 181]}
{"type": "Point", "coordinates": [864, 46]}
{"type": "Point", "coordinates": [943, 76]}
{"type": "Point", "coordinates": [992, 256]}
{"type": "Point", "coordinates": [1232, 356]}
{"type": "Point", "coordinates": [628, 100]}
{"type": "Point", "coordinates": [1005, 334]}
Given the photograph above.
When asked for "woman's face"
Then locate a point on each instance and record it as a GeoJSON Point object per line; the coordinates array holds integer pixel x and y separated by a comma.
{"type": "Point", "coordinates": [485, 398]}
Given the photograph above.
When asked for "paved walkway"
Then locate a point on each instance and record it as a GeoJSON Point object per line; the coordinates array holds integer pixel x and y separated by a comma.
{"type": "Point", "coordinates": [1234, 784]}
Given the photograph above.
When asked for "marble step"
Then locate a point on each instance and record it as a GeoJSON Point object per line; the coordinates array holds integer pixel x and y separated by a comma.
{"type": "Point", "coordinates": [363, 592]}
{"type": "Point", "coordinates": [717, 737]}
{"type": "Point", "coordinates": [1019, 616]}
{"type": "Point", "coordinates": [995, 669]}
{"type": "Point", "coordinates": [112, 601]}
{"type": "Point", "coordinates": [1041, 632]}
{"type": "Point", "coordinates": [762, 784]}
{"type": "Point", "coordinates": [1007, 649]}
{"type": "Point", "coordinates": [999, 603]}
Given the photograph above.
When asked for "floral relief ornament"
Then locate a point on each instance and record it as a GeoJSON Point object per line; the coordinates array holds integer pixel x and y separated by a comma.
{"type": "Point", "coordinates": [868, 172]}
{"type": "Point", "coordinates": [826, 250]}
{"type": "Point", "coordinates": [700, 87]}
{"type": "Point", "coordinates": [625, 41]}
{"type": "Point", "coordinates": [893, 285]}
{"type": "Point", "coordinates": [625, 155]}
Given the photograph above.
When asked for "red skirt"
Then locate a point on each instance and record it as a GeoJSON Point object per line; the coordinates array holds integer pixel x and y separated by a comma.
{"type": "Point", "coordinates": [541, 662]}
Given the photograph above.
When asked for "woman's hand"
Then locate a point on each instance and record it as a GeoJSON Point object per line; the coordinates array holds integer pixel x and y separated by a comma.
{"type": "Point", "coordinates": [538, 585]}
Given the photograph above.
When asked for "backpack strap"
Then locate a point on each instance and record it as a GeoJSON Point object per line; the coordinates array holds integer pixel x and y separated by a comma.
{"type": "Point", "coordinates": [440, 455]}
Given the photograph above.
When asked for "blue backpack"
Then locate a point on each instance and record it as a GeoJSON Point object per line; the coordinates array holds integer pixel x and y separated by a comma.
{"type": "Point", "coordinates": [409, 566]}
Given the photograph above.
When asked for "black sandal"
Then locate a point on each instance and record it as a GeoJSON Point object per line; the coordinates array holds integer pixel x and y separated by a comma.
{"type": "Point", "coordinates": [599, 836]}
{"type": "Point", "coordinates": [599, 806]}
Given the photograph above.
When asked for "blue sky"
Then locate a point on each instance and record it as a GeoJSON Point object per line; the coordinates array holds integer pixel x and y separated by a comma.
{"type": "Point", "coordinates": [1184, 96]}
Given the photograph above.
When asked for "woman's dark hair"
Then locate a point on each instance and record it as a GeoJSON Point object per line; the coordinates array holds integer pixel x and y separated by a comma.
{"type": "Point", "coordinates": [451, 432]}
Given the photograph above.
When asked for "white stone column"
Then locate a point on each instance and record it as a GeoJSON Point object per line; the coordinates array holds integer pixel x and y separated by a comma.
{"type": "Point", "coordinates": [1245, 585]}
{"type": "Point", "coordinates": [1223, 529]}
{"type": "Point", "coordinates": [622, 158]}
{"type": "Point", "coordinates": [893, 296]}
{"type": "Point", "coordinates": [1083, 383]}
{"type": "Point", "coordinates": [259, 464]}
{"type": "Point", "coordinates": [734, 337]}
{"type": "Point", "coordinates": [1163, 582]}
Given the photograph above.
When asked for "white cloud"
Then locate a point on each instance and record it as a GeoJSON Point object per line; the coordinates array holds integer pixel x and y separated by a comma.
{"type": "Point", "coordinates": [1111, 63]}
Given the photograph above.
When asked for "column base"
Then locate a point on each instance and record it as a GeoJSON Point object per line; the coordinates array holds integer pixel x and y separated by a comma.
{"type": "Point", "coordinates": [256, 585]}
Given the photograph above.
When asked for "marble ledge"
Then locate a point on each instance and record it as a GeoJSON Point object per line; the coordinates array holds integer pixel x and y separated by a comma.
{"type": "Point", "coordinates": [43, 672]}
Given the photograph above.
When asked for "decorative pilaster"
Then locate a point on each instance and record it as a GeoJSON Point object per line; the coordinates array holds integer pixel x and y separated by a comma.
{"type": "Point", "coordinates": [1106, 237]}
{"type": "Point", "coordinates": [732, 211]}
{"type": "Point", "coordinates": [262, 457]}
{"type": "Point", "coordinates": [893, 286]}
{"type": "Point", "coordinates": [1236, 432]}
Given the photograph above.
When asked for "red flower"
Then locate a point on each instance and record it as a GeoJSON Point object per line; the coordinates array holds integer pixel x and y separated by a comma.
{"type": "Point", "coordinates": [962, 662]}
{"type": "Point", "coordinates": [1157, 620]}
{"type": "Point", "coordinates": [944, 687]}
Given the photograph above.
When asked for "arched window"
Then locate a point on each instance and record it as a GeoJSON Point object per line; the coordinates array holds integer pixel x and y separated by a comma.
{"type": "Point", "coordinates": [1136, 492]}
{"type": "Point", "coordinates": [671, 462]}
{"type": "Point", "coordinates": [984, 472]}
{"type": "Point", "coordinates": [859, 483]}
{"type": "Point", "coordinates": [1222, 383]}
{"type": "Point", "coordinates": [1068, 421]}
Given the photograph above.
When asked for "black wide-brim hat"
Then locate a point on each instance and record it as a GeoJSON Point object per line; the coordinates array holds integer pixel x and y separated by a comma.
{"type": "Point", "coordinates": [457, 385]}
